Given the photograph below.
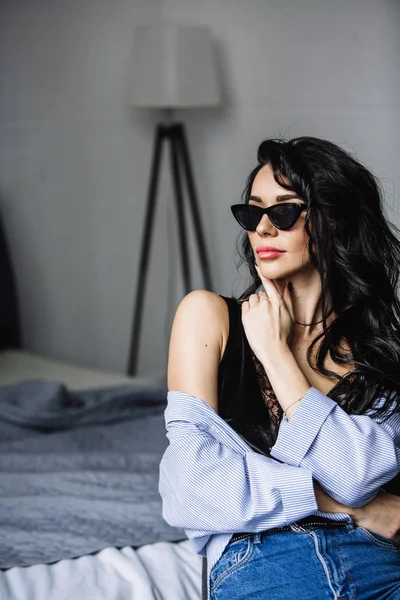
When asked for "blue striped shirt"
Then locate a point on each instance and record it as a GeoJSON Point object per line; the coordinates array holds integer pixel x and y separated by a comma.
{"type": "Point", "coordinates": [213, 484]}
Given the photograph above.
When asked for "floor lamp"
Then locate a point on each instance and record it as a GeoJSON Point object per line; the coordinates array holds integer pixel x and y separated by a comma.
{"type": "Point", "coordinates": [173, 68]}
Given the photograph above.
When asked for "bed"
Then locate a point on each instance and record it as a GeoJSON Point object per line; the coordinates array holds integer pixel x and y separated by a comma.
{"type": "Point", "coordinates": [80, 513]}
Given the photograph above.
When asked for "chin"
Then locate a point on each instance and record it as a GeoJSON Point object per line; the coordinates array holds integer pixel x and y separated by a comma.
{"type": "Point", "coordinates": [271, 272]}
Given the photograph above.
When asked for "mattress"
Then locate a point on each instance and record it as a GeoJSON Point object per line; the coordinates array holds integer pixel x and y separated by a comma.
{"type": "Point", "coordinates": [18, 365]}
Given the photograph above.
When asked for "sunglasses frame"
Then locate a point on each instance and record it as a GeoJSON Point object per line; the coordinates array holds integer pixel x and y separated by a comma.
{"type": "Point", "coordinates": [235, 208]}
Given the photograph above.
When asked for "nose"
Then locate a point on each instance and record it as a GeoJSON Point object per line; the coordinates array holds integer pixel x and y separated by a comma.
{"type": "Point", "coordinates": [265, 226]}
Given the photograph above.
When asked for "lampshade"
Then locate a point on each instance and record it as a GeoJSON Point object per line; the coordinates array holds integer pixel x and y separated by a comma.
{"type": "Point", "coordinates": [173, 66]}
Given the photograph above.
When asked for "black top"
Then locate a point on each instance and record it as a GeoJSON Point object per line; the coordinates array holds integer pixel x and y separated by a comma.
{"type": "Point", "coordinates": [245, 398]}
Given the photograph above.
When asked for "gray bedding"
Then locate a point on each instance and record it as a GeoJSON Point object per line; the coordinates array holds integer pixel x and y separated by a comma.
{"type": "Point", "coordinates": [79, 470]}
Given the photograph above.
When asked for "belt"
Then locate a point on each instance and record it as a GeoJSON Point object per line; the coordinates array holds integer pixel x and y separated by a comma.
{"type": "Point", "coordinates": [307, 523]}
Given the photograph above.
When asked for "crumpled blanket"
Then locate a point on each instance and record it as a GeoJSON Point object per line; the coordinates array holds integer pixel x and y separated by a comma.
{"type": "Point", "coordinates": [79, 470]}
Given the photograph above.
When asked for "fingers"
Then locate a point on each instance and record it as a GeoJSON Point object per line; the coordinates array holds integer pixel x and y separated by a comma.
{"type": "Point", "coordinates": [269, 285]}
{"type": "Point", "coordinates": [256, 298]}
{"type": "Point", "coordinates": [274, 295]}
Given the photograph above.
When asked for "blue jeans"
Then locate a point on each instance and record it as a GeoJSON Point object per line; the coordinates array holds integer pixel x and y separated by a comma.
{"type": "Point", "coordinates": [349, 563]}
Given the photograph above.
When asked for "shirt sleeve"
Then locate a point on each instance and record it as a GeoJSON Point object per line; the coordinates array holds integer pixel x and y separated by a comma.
{"type": "Point", "coordinates": [210, 487]}
{"type": "Point", "coordinates": [351, 456]}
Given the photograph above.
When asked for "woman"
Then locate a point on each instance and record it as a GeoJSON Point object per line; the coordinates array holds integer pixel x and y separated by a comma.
{"type": "Point", "coordinates": [283, 406]}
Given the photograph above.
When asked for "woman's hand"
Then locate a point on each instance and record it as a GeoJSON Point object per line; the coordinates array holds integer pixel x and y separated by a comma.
{"type": "Point", "coordinates": [267, 319]}
{"type": "Point", "coordinates": [381, 516]}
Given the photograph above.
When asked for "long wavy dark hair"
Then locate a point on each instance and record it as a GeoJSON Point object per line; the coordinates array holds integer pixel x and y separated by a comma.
{"type": "Point", "coordinates": [356, 251]}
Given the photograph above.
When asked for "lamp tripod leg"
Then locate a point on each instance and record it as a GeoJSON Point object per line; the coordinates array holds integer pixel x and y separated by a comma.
{"type": "Point", "coordinates": [159, 137]}
{"type": "Point", "coordinates": [193, 203]}
{"type": "Point", "coordinates": [180, 210]}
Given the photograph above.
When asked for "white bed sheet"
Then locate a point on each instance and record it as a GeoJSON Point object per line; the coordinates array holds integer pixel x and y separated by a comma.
{"type": "Point", "coordinates": [160, 571]}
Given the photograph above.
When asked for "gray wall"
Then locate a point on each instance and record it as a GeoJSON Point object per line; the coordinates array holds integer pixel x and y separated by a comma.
{"type": "Point", "coordinates": [73, 174]}
{"type": "Point", "coordinates": [74, 159]}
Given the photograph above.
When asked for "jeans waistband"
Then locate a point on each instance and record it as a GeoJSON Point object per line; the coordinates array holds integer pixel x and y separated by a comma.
{"type": "Point", "coordinates": [309, 523]}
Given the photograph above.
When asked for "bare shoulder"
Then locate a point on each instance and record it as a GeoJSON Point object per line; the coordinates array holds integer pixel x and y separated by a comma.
{"type": "Point", "coordinates": [198, 339]}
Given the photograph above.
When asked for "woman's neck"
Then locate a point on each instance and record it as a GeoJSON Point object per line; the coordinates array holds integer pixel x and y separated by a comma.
{"type": "Point", "coordinates": [307, 306]}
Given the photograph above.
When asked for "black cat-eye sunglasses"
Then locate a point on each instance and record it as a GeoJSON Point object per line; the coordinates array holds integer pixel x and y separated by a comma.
{"type": "Point", "coordinates": [282, 216]}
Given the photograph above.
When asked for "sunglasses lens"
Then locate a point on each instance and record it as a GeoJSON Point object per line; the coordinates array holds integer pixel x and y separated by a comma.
{"type": "Point", "coordinates": [282, 216]}
{"type": "Point", "coordinates": [247, 217]}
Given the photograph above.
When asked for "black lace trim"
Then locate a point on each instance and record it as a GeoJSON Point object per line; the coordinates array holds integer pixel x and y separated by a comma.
{"type": "Point", "coordinates": [270, 400]}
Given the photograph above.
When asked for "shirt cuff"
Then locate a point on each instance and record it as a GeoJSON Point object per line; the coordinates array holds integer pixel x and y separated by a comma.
{"type": "Point", "coordinates": [297, 494]}
{"type": "Point", "coordinates": [296, 436]}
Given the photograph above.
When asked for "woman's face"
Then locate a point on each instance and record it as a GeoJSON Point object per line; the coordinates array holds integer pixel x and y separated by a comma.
{"type": "Point", "coordinates": [294, 242]}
